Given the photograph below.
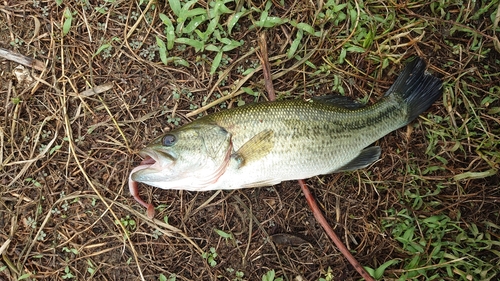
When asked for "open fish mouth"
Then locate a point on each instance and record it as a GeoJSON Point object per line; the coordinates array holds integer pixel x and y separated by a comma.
{"type": "Point", "coordinates": [147, 163]}
{"type": "Point", "coordinates": [155, 159]}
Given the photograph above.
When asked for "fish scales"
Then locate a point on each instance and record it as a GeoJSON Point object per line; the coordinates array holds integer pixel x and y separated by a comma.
{"type": "Point", "coordinates": [326, 136]}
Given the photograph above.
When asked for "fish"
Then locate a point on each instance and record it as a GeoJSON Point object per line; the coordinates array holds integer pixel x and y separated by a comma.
{"type": "Point", "coordinates": [263, 144]}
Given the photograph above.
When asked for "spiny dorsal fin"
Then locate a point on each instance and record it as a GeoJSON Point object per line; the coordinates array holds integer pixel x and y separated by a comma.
{"type": "Point", "coordinates": [365, 158]}
{"type": "Point", "coordinates": [256, 148]}
{"type": "Point", "coordinates": [338, 101]}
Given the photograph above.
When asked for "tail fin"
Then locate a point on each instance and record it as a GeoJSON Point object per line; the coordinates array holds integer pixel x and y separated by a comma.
{"type": "Point", "coordinates": [418, 89]}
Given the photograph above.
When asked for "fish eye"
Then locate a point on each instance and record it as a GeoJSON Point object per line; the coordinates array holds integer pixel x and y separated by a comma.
{"type": "Point", "coordinates": [169, 140]}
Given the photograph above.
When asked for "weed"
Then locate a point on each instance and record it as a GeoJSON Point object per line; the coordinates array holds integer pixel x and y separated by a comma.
{"type": "Point", "coordinates": [105, 49]}
{"type": "Point", "coordinates": [328, 275]}
{"type": "Point", "coordinates": [33, 181]}
{"type": "Point", "coordinates": [16, 100]}
{"type": "Point", "coordinates": [128, 223]}
{"type": "Point", "coordinates": [171, 277]}
{"type": "Point", "coordinates": [270, 276]}
{"type": "Point", "coordinates": [210, 257]}
{"type": "Point", "coordinates": [70, 250]}
{"type": "Point", "coordinates": [434, 252]}
{"type": "Point", "coordinates": [203, 29]}
{"type": "Point", "coordinates": [238, 274]}
{"type": "Point", "coordinates": [91, 267]}
{"type": "Point", "coordinates": [174, 120]}
{"type": "Point", "coordinates": [225, 235]}
{"type": "Point", "coordinates": [68, 274]}
{"type": "Point", "coordinates": [31, 222]}
{"type": "Point", "coordinates": [157, 233]}
{"type": "Point", "coordinates": [41, 236]}
{"type": "Point", "coordinates": [17, 43]}
{"type": "Point", "coordinates": [68, 19]}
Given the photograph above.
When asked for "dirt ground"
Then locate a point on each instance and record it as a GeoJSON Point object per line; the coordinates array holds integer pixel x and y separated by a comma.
{"type": "Point", "coordinates": [66, 153]}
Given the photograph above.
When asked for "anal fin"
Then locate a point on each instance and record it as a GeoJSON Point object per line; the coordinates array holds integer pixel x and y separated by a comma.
{"type": "Point", "coordinates": [365, 158]}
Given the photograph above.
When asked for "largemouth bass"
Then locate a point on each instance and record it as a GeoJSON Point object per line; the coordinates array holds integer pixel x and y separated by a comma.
{"type": "Point", "coordinates": [263, 144]}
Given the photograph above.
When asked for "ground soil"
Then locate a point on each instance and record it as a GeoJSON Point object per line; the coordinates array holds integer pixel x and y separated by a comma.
{"type": "Point", "coordinates": [66, 155]}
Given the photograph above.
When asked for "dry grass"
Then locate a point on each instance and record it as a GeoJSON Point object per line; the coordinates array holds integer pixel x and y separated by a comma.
{"type": "Point", "coordinates": [68, 140]}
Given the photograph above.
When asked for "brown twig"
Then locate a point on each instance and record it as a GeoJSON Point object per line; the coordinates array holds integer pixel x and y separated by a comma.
{"type": "Point", "coordinates": [265, 67]}
{"type": "Point", "coordinates": [21, 59]}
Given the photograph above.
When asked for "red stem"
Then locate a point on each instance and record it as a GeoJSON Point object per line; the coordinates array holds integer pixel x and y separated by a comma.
{"type": "Point", "coordinates": [322, 221]}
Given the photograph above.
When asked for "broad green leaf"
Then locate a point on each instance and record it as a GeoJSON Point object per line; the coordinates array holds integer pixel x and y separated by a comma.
{"type": "Point", "coordinates": [269, 3]}
{"type": "Point", "coordinates": [68, 18]}
{"type": "Point", "coordinates": [223, 234]}
{"type": "Point", "coordinates": [249, 91]}
{"type": "Point", "coordinates": [379, 272]}
{"type": "Point", "coordinates": [162, 49]}
{"type": "Point", "coordinates": [269, 276]}
{"type": "Point", "coordinates": [263, 16]}
{"type": "Point", "coordinates": [355, 49]}
{"type": "Point", "coordinates": [169, 31]}
{"type": "Point", "coordinates": [339, 7]}
{"type": "Point", "coordinates": [342, 55]}
{"type": "Point", "coordinates": [295, 44]}
{"type": "Point", "coordinates": [102, 48]}
{"type": "Point", "coordinates": [185, 9]}
{"type": "Point", "coordinates": [212, 47]}
{"type": "Point", "coordinates": [248, 71]}
{"type": "Point", "coordinates": [233, 20]}
{"type": "Point", "coordinates": [201, 35]}
{"type": "Point", "coordinates": [385, 63]}
{"type": "Point", "coordinates": [233, 45]}
{"type": "Point", "coordinates": [353, 15]}
{"type": "Point", "coordinates": [310, 64]}
{"type": "Point", "coordinates": [218, 9]}
{"type": "Point", "coordinates": [225, 41]}
{"type": "Point", "coordinates": [270, 22]}
{"type": "Point", "coordinates": [193, 24]}
{"type": "Point", "coordinates": [166, 21]}
{"type": "Point", "coordinates": [368, 40]}
{"type": "Point", "coordinates": [175, 5]}
{"type": "Point", "coordinates": [101, 10]}
{"type": "Point", "coordinates": [267, 21]}
{"type": "Point", "coordinates": [194, 12]}
{"type": "Point", "coordinates": [211, 27]}
{"type": "Point", "coordinates": [216, 63]}
{"type": "Point", "coordinates": [306, 27]}
{"type": "Point", "coordinates": [170, 38]}
{"type": "Point", "coordinates": [198, 46]}
{"type": "Point", "coordinates": [180, 61]}
{"type": "Point", "coordinates": [24, 276]}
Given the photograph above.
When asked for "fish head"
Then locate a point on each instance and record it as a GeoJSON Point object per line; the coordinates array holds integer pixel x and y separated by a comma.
{"type": "Point", "coordinates": [189, 158]}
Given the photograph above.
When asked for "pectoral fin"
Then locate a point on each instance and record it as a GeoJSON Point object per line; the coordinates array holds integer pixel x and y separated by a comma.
{"type": "Point", "coordinates": [365, 158]}
{"type": "Point", "coordinates": [256, 148]}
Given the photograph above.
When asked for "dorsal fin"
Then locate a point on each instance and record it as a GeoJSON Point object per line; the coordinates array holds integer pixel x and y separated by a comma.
{"type": "Point", "coordinates": [256, 148]}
